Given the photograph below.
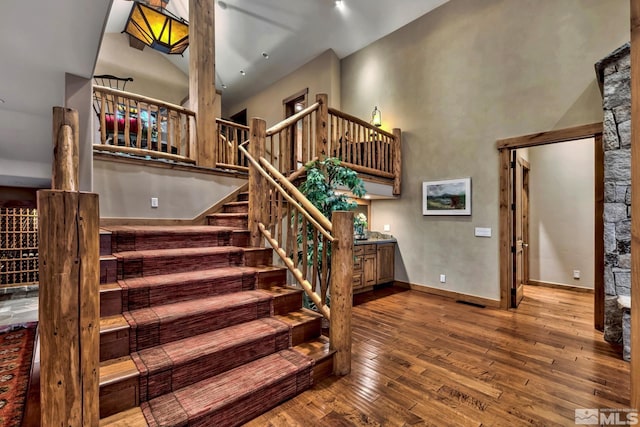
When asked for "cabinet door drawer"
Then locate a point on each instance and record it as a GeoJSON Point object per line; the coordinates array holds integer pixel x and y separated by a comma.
{"type": "Point", "coordinates": [357, 281]}
{"type": "Point", "coordinates": [370, 249]}
{"type": "Point", "coordinates": [357, 263]}
{"type": "Point", "coordinates": [358, 250]}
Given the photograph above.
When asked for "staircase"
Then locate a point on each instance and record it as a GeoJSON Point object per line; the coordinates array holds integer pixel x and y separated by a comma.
{"type": "Point", "coordinates": [198, 329]}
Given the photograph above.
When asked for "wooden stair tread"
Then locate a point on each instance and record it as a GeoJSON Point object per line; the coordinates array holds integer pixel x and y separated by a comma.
{"type": "Point", "coordinates": [298, 317]}
{"type": "Point", "coordinates": [115, 370]}
{"type": "Point", "coordinates": [316, 349]}
{"type": "Point", "coordinates": [109, 287]}
{"type": "Point", "coordinates": [229, 215]}
{"type": "Point", "coordinates": [237, 395]}
{"type": "Point", "coordinates": [199, 275]}
{"type": "Point", "coordinates": [113, 323]}
{"type": "Point", "coordinates": [162, 229]}
{"type": "Point", "coordinates": [159, 253]}
{"type": "Point", "coordinates": [130, 418]}
{"type": "Point", "coordinates": [237, 204]}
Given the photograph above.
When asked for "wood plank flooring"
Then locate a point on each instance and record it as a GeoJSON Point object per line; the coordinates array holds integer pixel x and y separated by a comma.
{"type": "Point", "coordinates": [424, 360]}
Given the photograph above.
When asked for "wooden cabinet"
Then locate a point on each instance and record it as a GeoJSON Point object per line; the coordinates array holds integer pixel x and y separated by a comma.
{"type": "Point", "coordinates": [372, 265]}
{"type": "Point", "coordinates": [384, 264]}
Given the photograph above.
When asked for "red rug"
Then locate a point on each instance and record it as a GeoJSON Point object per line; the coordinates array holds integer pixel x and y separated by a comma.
{"type": "Point", "coordinates": [16, 349]}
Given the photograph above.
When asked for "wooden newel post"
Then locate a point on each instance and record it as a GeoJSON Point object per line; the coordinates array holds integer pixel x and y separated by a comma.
{"type": "Point", "coordinates": [322, 126]}
{"type": "Point", "coordinates": [65, 149]}
{"type": "Point", "coordinates": [69, 305]}
{"type": "Point", "coordinates": [397, 161]}
{"type": "Point", "coordinates": [341, 291]}
{"type": "Point", "coordinates": [258, 186]}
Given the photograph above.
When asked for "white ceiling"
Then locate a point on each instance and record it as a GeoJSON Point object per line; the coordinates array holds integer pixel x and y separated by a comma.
{"type": "Point", "coordinates": [42, 40]}
{"type": "Point", "coordinates": [292, 32]}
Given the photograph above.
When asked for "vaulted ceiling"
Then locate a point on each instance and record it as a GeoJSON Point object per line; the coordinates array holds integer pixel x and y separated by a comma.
{"type": "Point", "coordinates": [41, 41]}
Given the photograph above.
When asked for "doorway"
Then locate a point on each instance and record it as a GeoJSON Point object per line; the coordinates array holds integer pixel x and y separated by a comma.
{"type": "Point", "coordinates": [521, 226]}
{"type": "Point", "coordinates": [294, 133]}
{"type": "Point", "coordinates": [512, 254]}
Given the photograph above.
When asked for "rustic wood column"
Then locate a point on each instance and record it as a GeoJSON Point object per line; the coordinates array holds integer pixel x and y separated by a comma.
{"type": "Point", "coordinates": [202, 79]}
{"type": "Point", "coordinates": [258, 186]}
{"type": "Point", "coordinates": [397, 161]}
{"type": "Point", "coordinates": [341, 291]}
{"type": "Point", "coordinates": [322, 126]}
{"type": "Point", "coordinates": [69, 305]}
{"type": "Point", "coordinates": [635, 204]}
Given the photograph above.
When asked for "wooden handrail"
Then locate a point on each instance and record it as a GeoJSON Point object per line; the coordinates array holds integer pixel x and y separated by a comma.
{"type": "Point", "coordinates": [232, 124]}
{"type": "Point", "coordinates": [325, 232]}
{"type": "Point", "coordinates": [142, 152]}
{"type": "Point", "coordinates": [315, 212]}
{"type": "Point", "coordinates": [301, 171]}
{"type": "Point", "coordinates": [292, 119]}
{"type": "Point", "coordinates": [146, 99]}
{"type": "Point", "coordinates": [308, 289]}
{"type": "Point", "coordinates": [359, 121]}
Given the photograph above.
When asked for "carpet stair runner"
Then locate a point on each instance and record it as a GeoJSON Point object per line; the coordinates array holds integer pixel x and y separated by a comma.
{"type": "Point", "coordinates": [198, 329]}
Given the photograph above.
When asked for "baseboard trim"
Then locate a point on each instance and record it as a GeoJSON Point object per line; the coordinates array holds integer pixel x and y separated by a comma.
{"type": "Point", "coordinates": [560, 286]}
{"type": "Point", "coordinates": [448, 294]}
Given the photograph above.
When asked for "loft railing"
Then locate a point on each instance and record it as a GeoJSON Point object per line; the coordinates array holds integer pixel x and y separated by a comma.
{"type": "Point", "coordinates": [230, 136]}
{"type": "Point", "coordinates": [139, 125]}
{"type": "Point", "coordinates": [366, 148]}
{"type": "Point", "coordinates": [302, 238]}
{"type": "Point", "coordinates": [298, 139]}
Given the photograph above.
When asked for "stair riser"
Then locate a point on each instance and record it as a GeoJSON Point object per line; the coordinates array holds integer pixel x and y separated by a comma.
{"type": "Point", "coordinates": [236, 208]}
{"type": "Point", "coordinates": [147, 335]}
{"type": "Point", "coordinates": [258, 257]}
{"type": "Point", "coordinates": [159, 383]}
{"type": "Point", "coordinates": [243, 197]}
{"type": "Point", "coordinates": [119, 396]}
{"type": "Point", "coordinates": [110, 302]}
{"type": "Point", "coordinates": [114, 344]}
{"type": "Point", "coordinates": [283, 304]}
{"type": "Point", "coordinates": [228, 222]}
{"type": "Point", "coordinates": [306, 331]}
{"type": "Point", "coordinates": [137, 298]}
{"type": "Point", "coordinates": [105, 243]}
{"type": "Point", "coordinates": [138, 267]}
{"type": "Point", "coordinates": [108, 269]}
{"type": "Point", "coordinates": [240, 238]}
{"type": "Point", "coordinates": [131, 242]}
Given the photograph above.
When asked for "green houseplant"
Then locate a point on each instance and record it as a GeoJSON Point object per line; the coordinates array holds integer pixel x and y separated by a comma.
{"type": "Point", "coordinates": [324, 186]}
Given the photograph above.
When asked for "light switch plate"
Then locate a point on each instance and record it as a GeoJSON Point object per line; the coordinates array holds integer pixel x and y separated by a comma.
{"type": "Point", "coordinates": [483, 232]}
{"type": "Point", "coordinates": [386, 227]}
{"type": "Point", "coordinates": [154, 202]}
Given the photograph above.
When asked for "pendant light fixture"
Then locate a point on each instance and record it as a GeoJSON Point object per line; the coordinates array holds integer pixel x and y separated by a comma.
{"type": "Point", "coordinates": [376, 117]}
{"type": "Point", "coordinates": [158, 28]}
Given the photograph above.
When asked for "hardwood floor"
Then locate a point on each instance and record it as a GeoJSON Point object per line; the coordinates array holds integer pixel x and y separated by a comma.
{"type": "Point", "coordinates": [425, 360]}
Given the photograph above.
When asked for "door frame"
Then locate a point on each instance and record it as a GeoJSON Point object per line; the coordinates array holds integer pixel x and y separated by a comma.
{"type": "Point", "coordinates": [505, 146]}
{"type": "Point", "coordinates": [520, 215]}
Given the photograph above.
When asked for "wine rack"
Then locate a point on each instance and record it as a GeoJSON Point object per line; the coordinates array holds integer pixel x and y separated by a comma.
{"type": "Point", "coordinates": [18, 246]}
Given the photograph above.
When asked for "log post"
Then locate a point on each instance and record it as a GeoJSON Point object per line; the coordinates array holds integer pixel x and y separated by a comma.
{"type": "Point", "coordinates": [69, 305]}
{"type": "Point", "coordinates": [635, 204]}
{"type": "Point", "coordinates": [258, 186]}
{"type": "Point", "coordinates": [322, 126]}
{"type": "Point", "coordinates": [202, 79]}
{"type": "Point", "coordinates": [397, 161]}
{"type": "Point", "coordinates": [341, 291]}
{"type": "Point", "coordinates": [66, 144]}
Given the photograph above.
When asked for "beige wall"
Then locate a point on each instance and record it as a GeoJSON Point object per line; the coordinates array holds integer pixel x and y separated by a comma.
{"type": "Point", "coordinates": [320, 75]}
{"type": "Point", "coordinates": [455, 81]}
{"type": "Point", "coordinates": [126, 190]}
{"type": "Point", "coordinates": [561, 210]}
{"type": "Point", "coordinates": [153, 75]}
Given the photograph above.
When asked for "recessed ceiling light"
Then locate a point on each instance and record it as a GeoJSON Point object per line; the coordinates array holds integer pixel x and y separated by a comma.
{"type": "Point", "coordinates": [366, 196]}
{"type": "Point", "coordinates": [265, 55]}
{"type": "Point", "coordinates": [224, 86]}
{"type": "Point", "coordinates": [243, 73]}
{"type": "Point", "coordinates": [339, 3]}
{"type": "Point", "coordinates": [222, 5]}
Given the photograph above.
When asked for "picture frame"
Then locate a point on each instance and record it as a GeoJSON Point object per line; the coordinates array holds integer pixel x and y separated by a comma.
{"type": "Point", "coordinates": [447, 197]}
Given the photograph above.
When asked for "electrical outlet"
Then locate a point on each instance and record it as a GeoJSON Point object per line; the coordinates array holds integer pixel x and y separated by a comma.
{"type": "Point", "coordinates": [386, 227]}
{"type": "Point", "coordinates": [443, 278]}
{"type": "Point", "coordinates": [576, 274]}
{"type": "Point", "coordinates": [154, 202]}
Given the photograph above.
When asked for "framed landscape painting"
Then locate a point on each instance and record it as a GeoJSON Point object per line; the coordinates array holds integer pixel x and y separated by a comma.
{"type": "Point", "coordinates": [448, 197]}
